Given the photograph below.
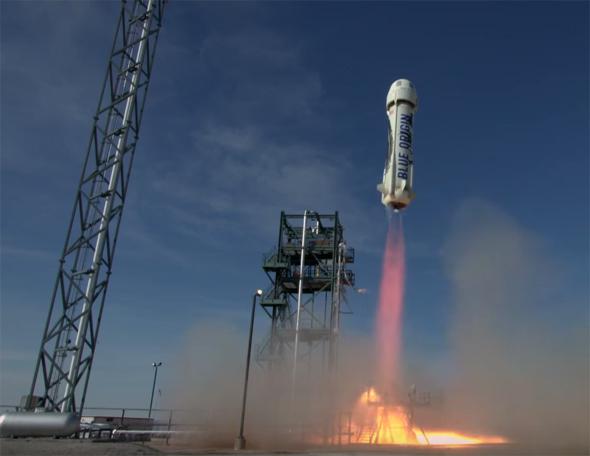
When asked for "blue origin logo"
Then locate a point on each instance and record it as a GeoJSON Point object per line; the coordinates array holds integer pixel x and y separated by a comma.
{"type": "Point", "coordinates": [405, 144]}
{"type": "Point", "coordinates": [405, 131]}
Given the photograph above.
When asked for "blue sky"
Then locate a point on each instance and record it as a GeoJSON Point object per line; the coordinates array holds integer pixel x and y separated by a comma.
{"type": "Point", "coordinates": [259, 107]}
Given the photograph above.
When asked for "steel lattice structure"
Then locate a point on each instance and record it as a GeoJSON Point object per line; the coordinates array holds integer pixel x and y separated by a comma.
{"type": "Point", "coordinates": [71, 330]}
{"type": "Point", "coordinates": [308, 277]}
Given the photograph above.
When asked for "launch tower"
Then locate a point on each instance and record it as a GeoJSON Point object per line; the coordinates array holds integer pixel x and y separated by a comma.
{"type": "Point", "coordinates": [309, 276]}
{"type": "Point", "coordinates": [63, 365]}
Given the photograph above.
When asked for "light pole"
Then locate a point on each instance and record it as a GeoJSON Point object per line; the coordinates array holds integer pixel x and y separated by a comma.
{"type": "Point", "coordinates": [156, 365]}
{"type": "Point", "coordinates": [240, 442]}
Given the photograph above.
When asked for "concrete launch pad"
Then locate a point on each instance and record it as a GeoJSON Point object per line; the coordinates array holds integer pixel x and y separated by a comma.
{"type": "Point", "coordinates": [72, 447]}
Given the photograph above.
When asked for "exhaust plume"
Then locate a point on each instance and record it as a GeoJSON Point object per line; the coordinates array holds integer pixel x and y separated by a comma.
{"type": "Point", "coordinates": [389, 312]}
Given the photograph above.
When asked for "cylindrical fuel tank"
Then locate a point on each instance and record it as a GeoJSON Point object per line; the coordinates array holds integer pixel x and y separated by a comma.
{"type": "Point", "coordinates": [397, 186]}
{"type": "Point", "coordinates": [44, 424]}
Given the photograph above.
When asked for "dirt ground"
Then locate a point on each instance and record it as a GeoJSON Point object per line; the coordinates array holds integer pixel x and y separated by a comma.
{"type": "Point", "coordinates": [71, 447]}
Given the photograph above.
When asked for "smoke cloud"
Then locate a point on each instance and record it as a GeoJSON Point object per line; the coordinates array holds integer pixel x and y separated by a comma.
{"type": "Point", "coordinates": [522, 362]}
{"type": "Point", "coordinates": [210, 383]}
{"type": "Point", "coordinates": [207, 386]}
{"type": "Point", "coordinates": [210, 380]}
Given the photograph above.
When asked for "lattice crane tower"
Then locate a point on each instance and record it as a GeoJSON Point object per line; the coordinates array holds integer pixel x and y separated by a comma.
{"type": "Point", "coordinates": [71, 331]}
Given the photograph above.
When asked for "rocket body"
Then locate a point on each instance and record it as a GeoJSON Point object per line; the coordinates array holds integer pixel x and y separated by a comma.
{"type": "Point", "coordinates": [397, 186]}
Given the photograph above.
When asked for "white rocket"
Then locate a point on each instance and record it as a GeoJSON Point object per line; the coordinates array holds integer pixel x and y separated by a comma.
{"type": "Point", "coordinates": [396, 188]}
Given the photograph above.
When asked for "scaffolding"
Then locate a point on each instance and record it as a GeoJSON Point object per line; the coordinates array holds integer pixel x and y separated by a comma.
{"type": "Point", "coordinates": [306, 297]}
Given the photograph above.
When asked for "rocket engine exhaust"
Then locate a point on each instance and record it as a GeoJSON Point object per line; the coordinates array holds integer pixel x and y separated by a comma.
{"type": "Point", "coordinates": [389, 313]}
{"type": "Point", "coordinates": [396, 193]}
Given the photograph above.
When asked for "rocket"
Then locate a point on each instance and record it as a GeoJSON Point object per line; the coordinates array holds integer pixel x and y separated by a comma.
{"type": "Point", "coordinates": [401, 104]}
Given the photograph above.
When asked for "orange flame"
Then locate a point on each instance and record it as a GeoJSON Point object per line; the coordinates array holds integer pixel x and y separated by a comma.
{"type": "Point", "coordinates": [375, 422]}
{"type": "Point", "coordinates": [450, 438]}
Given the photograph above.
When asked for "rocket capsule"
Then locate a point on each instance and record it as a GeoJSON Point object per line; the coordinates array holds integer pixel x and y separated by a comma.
{"type": "Point", "coordinates": [401, 104]}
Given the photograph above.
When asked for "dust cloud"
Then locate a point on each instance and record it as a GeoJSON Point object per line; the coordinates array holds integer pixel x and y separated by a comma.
{"type": "Point", "coordinates": [208, 389]}
{"type": "Point", "coordinates": [519, 340]}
